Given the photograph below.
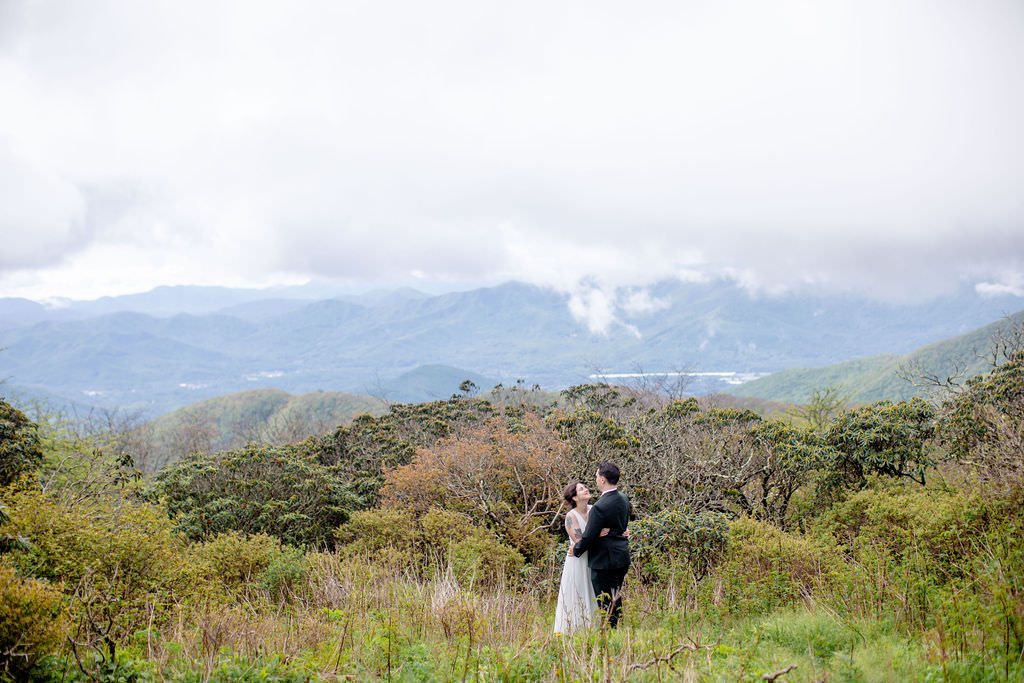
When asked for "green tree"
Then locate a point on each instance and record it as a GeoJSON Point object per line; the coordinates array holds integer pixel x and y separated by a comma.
{"type": "Point", "coordinates": [886, 438]}
{"type": "Point", "coordinates": [788, 455]}
{"type": "Point", "coordinates": [20, 451]}
{"type": "Point", "coordinates": [982, 426]}
{"type": "Point", "coordinates": [362, 452]}
{"type": "Point", "coordinates": [824, 406]}
{"type": "Point", "coordinates": [281, 491]}
{"type": "Point", "coordinates": [468, 388]}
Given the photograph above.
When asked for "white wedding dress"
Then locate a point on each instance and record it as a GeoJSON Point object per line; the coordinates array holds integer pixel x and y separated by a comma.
{"type": "Point", "coordinates": [576, 603]}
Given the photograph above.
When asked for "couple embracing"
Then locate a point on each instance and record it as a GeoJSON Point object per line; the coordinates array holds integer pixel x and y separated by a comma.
{"type": "Point", "coordinates": [598, 555]}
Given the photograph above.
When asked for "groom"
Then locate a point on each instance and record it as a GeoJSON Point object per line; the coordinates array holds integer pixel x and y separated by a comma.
{"type": "Point", "coordinates": [609, 555]}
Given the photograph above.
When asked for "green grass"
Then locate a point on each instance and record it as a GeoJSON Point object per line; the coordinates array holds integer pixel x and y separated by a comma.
{"type": "Point", "coordinates": [387, 627]}
{"type": "Point", "coordinates": [345, 618]}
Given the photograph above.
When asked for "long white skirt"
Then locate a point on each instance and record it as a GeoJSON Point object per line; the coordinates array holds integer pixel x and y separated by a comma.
{"type": "Point", "coordinates": [576, 604]}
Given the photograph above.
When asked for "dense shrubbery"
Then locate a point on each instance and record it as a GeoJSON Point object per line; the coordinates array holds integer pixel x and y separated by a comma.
{"type": "Point", "coordinates": [983, 426]}
{"type": "Point", "coordinates": [127, 543]}
{"type": "Point", "coordinates": [282, 491]}
{"type": "Point", "coordinates": [32, 623]}
{"type": "Point", "coordinates": [667, 541]}
{"type": "Point", "coordinates": [419, 544]}
{"type": "Point", "coordinates": [765, 568]}
{"type": "Point", "coordinates": [885, 438]}
{"type": "Point", "coordinates": [901, 521]}
{"type": "Point", "coordinates": [118, 563]}
{"type": "Point", "coordinates": [365, 450]}
{"type": "Point", "coordinates": [239, 564]}
{"type": "Point", "coordinates": [20, 450]}
{"type": "Point", "coordinates": [930, 556]}
{"type": "Point", "coordinates": [507, 475]}
{"type": "Point", "coordinates": [427, 544]}
{"type": "Point", "coordinates": [301, 493]}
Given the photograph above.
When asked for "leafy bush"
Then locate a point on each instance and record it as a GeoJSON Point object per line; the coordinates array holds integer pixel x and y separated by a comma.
{"type": "Point", "coordinates": [239, 562]}
{"type": "Point", "coordinates": [9, 541]}
{"type": "Point", "coordinates": [934, 559]}
{"type": "Point", "coordinates": [765, 568]}
{"type": "Point", "coordinates": [389, 535]}
{"type": "Point", "coordinates": [119, 562]}
{"type": "Point", "coordinates": [671, 538]}
{"type": "Point", "coordinates": [282, 491]}
{"type": "Point", "coordinates": [285, 573]}
{"type": "Point", "coordinates": [593, 437]}
{"type": "Point", "coordinates": [127, 542]}
{"type": "Point", "coordinates": [789, 456]}
{"type": "Point", "coordinates": [987, 605]}
{"type": "Point", "coordinates": [476, 554]}
{"type": "Point", "coordinates": [424, 544]}
{"type": "Point", "coordinates": [937, 524]}
{"type": "Point", "coordinates": [365, 450]}
{"type": "Point", "coordinates": [885, 438]}
{"type": "Point", "coordinates": [32, 623]}
{"type": "Point", "coordinates": [982, 425]}
{"type": "Point", "coordinates": [507, 474]}
{"type": "Point", "coordinates": [20, 451]}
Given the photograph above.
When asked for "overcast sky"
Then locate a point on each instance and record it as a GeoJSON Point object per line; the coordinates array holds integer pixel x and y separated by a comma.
{"type": "Point", "coordinates": [873, 146]}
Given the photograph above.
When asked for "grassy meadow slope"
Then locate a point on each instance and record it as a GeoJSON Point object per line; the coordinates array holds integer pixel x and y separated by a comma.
{"type": "Point", "coordinates": [875, 378]}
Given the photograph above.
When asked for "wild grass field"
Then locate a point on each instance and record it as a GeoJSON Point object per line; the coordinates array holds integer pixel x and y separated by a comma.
{"type": "Point", "coordinates": [884, 542]}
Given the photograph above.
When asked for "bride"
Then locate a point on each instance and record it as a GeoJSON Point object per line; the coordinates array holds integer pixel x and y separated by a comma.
{"type": "Point", "coordinates": [576, 602]}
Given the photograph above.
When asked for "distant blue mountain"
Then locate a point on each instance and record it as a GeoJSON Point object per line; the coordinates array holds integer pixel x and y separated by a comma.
{"type": "Point", "coordinates": [165, 302]}
{"type": "Point", "coordinates": [37, 402]}
{"type": "Point", "coordinates": [428, 383]}
{"type": "Point", "coordinates": [864, 380]}
{"type": "Point", "coordinates": [163, 358]}
{"type": "Point", "coordinates": [14, 312]}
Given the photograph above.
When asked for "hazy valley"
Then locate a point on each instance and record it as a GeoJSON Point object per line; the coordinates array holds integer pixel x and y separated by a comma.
{"type": "Point", "coordinates": [175, 346]}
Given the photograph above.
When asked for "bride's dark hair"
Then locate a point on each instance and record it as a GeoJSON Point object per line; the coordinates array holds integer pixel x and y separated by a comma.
{"type": "Point", "coordinates": [570, 492]}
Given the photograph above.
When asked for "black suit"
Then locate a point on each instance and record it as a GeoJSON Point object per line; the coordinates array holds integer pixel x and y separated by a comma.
{"type": "Point", "coordinates": [609, 555]}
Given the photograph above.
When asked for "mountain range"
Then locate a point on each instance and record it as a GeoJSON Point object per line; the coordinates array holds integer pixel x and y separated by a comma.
{"type": "Point", "coordinates": [175, 346]}
{"type": "Point", "coordinates": [885, 376]}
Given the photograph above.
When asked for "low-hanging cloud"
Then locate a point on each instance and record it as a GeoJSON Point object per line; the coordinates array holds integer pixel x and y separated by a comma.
{"type": "Point", "coordinates": [42, 216]}
{"type": "Point", "coordinates": [590, 147]}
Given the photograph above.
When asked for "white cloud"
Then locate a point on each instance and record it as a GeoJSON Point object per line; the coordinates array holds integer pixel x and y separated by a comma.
{"type": "Point", "coordinates": [594, 307]}
{"type": "Point", "coordinates": [42, 215]}
{"type": "Point", "coordinates": [1012, 284]}
{"type": "Point", "coordinates": [640, 301]}
{"type": "Point", "coordinates": [865, 145]}
{"type": "Point", "coordinates": [603, 307]}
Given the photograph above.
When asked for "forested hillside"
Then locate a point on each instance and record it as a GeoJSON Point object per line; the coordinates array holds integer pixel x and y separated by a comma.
{"type": "Point", "coordinates": [878, 543]}
{"type": "Point", "coordinates": [274, 417]}
{"type": "Point", "coordinates": [263, 416]}
{"type": "Point", "coordinates": [888, 376]}
{"type": "Point", "coordinates": [144, 356]}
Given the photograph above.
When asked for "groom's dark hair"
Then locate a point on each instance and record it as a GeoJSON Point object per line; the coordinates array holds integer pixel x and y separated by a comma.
{"type": "Point", "coordinates": [609, 471]}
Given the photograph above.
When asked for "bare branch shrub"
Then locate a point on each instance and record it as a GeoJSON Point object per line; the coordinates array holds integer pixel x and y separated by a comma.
{"type": "Point", "coordinates": [507, 474]}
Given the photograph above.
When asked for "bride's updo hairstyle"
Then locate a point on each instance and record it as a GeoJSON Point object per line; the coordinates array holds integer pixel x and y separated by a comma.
{"type": "Point", "coordinates": [570, 492]}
